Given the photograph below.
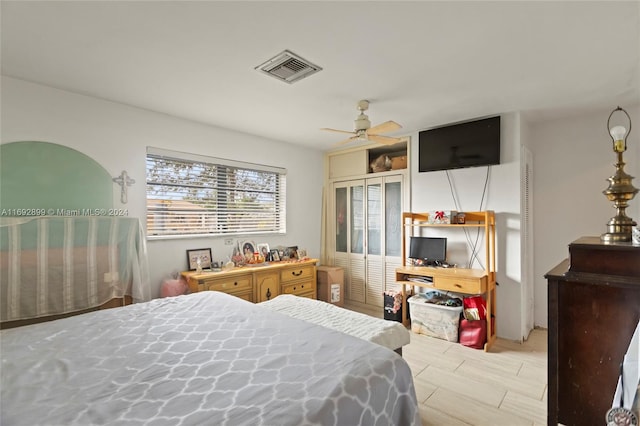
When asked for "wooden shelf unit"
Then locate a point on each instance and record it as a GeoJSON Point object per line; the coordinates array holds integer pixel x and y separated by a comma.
{"type": "Point", "coordinates": [460, 280]}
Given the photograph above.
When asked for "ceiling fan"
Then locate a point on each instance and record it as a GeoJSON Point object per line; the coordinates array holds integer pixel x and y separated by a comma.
{"type": "Point", "coordinates": [364, 132]}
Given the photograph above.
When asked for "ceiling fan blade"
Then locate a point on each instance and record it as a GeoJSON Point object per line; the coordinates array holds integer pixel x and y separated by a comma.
{"type": "Point", "coordinates": [387, 126]}
{"type": "Point", "coordinates": [387, 140]}
{"type": "Point", "coordinates": [352, 138]}
{"type": "Point", "coordinates": [337, 131]}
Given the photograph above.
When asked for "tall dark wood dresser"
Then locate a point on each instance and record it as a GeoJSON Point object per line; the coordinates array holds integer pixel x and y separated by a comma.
{"type": "Point", "coordinates": [594, 308]}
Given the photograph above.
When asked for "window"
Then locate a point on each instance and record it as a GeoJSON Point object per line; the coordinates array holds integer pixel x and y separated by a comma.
{"type": "Point", "coordinates": [193, 195]}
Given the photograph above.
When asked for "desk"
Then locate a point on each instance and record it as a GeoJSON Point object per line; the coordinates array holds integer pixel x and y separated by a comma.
{"type": "Point", "coordinates": [459, 280]}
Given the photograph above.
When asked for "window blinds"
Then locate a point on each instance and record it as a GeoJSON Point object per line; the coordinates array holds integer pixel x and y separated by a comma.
{"type": "Point", "coordinates": [190, 195]}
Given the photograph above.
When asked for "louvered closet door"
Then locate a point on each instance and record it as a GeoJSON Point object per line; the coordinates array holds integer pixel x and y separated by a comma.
{"type": "Point", "coordinates": [367, 236]}
{"type": "Point", "coordinates": [393, 208]}
{"type": "Point", "coordinates": [349, 237]}
{"type": "Point", "coordinates": [384, 217]}
{"type": "Point", "coordinates": [375, 244]}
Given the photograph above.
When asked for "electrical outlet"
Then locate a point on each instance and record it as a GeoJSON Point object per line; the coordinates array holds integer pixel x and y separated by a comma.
{"type": "Point", "coordinates": [228, 241]}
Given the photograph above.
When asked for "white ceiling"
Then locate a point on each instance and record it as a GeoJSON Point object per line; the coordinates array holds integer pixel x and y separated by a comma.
{"type": "Point", "coordinates": [422, 64]}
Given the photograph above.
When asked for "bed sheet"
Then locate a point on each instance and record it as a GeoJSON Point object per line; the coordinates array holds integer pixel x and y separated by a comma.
{"type": "Point", "coordinates": [390, 334]}
{"type": "Point", "coordinates": [201, 359]}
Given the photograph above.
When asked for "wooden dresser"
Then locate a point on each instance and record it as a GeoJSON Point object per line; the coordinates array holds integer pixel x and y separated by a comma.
{"type": "Point", "coordinates": [594, 307]}
{"type": "Point", "coordinates": [259, 283]}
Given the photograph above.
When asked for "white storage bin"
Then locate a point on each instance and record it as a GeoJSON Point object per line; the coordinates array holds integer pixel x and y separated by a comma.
{"type": "Point", "coordinates": [434, 320]}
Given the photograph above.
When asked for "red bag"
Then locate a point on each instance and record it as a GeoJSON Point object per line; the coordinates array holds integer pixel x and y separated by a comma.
{"type": "Point", "coordinates": [475, 308]}
{"type": "Point", "coordinates": [473, 333]}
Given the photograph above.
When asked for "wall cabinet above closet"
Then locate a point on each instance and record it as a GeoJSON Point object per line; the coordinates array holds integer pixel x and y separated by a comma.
{"type": "Point", "coordinates": [374, 158]}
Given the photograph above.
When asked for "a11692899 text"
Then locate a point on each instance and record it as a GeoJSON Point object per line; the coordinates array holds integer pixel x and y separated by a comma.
{"type": "Point", "coordinates": [63, 212]}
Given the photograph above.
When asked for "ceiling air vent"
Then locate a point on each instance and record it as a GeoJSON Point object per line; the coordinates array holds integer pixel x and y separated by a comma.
{"type": "Point", "coordinates": [288, 67]}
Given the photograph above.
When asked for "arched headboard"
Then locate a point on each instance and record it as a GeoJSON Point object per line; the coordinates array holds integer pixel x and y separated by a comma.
{"type": "Point", "coordinates": [61, 248]}
{"type": "Point", "coordinates": [43, 175]}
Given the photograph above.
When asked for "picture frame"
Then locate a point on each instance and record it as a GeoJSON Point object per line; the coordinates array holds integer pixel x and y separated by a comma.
{"type": "Point", "coordinates": [301, 253]}
{"type": "Point", "coordinates": [263, 249]}
{"type": "Point", "coordinates": [247, 248]}
{"type": "Point", "coordinates": [205, 258]}
{"type": "Point", "coordinates": [292, 252]}
{"type": "Point", "coordinates": [275, 256]}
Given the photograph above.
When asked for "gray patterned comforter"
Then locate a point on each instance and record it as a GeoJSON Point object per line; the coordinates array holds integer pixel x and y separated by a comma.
{"type": "Point", "coordinates": [202, 359]}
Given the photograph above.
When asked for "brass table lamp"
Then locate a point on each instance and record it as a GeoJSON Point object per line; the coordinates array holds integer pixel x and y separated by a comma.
{"type": "Point", "coordinates": [620, 189]}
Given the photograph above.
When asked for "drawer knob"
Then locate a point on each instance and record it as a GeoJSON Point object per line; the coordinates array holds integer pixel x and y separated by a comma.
{"type": "Point", "coordinates": [296, 274]}
{"type": "Point", "coordinates": [268, 293]}
{"type": "Point", "coordinates": [235, 283]}
{"type": "Point", "coordinates": [458, 285]}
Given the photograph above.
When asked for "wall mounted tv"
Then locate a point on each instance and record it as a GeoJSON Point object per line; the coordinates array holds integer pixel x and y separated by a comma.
{"type": "Point", "coordinates": [471, 144]}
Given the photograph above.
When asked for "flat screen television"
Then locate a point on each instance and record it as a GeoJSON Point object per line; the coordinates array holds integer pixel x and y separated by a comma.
{"type": "Point", "coordinates": [430, 250]}
{"type": "Point", "coordinates": [471, 144]}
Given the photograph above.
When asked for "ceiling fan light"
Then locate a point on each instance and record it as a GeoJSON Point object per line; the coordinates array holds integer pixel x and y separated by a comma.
{"type": "Point", "coordinates": [362, 122]}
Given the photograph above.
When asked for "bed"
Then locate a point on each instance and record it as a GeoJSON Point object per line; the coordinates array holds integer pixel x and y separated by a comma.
{"type": "Point", "coordinates": [390, 334]}
{"type": "Point", "coordinates": [203, 358]}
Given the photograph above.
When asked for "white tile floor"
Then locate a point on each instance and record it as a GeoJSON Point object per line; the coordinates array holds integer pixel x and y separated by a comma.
{"type": "Point", "coordinates": [457, 385]}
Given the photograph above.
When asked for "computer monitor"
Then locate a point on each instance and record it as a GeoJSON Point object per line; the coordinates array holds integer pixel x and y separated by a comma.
{"type": "Point", "coordinates": [430, 250]}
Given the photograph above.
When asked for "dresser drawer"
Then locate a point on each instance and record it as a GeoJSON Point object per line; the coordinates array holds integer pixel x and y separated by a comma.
{"type": "Point", "coordinates": [246, 295]}
{"type": "Point", "coordinates": [461, 285]}
{"type": "Point", "coordinates": [298, 288]}
{"type": "Point", "coordinates": [309, 295]}
{"type": "Point", "coordinates": [231, 284]}
{"type": "Point", "coordinates": [297, 273]}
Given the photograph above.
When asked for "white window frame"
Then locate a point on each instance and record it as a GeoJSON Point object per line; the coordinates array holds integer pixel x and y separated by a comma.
{"type": "Point", "coordinates": [209, 200]}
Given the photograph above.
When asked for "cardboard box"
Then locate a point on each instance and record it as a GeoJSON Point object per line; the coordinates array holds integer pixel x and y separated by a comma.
{"type": "Point", "coordinates": [434, 320]}
{"type": "Point", "coordinates": [398, 163]}
{"type": "Point", "coordinates": [331, 284]}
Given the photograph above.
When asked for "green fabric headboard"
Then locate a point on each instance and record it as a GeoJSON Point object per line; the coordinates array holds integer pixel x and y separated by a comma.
{"type": "Point", "coordinates": [43, 175]}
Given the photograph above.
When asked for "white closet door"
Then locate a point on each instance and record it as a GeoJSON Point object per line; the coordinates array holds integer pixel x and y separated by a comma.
{"type": "Point", "coordinates": [375, 243]}
{"type": "Point", "coordinates": [393, 208]}
{"type": "Point", "coordinates": [349, 237]}
{"type": "Point", "coordinates": [368, 237]}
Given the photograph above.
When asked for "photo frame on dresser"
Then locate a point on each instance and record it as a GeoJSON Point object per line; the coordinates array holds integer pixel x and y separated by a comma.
{"type": "Point", "coordinates": [292, 252]}
{"type": "Point", "coordinates": [275, 256]}
{"type": "Point", "coordinates": [263, 249]}
{"type": "Point", "coordinates": [247, 248]}
{"type": "Point", "coordinates": [205, 258]}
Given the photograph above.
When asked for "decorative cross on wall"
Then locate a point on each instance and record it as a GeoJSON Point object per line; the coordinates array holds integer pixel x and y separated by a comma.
{"type": "Point", "coordinates": [124, 181]}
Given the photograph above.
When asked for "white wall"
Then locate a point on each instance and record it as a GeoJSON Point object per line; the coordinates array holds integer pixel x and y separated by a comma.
{"type": "Point", "coordinates": [116, 136]}
{"type": "Point", "coordinates": [431, 191]}
{"type": "Point", "coordinates": [572, 160]}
